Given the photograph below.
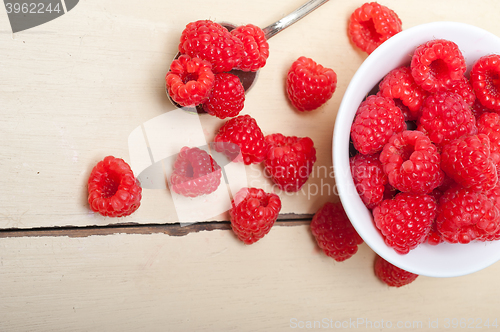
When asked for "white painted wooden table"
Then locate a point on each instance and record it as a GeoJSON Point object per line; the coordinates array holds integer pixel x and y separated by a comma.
{"type": "Point", "coordinates": [74, 89]}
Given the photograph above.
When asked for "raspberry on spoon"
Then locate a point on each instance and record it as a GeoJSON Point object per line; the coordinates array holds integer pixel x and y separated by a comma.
{"type": "Point", "coordinates": [212, 42]}
{"type": "Point", "coordinates": [255, 47]}
{"type": "Point", "coordinates": [227, 97]}
{"type": "Point", "coordinates": [189, 80]}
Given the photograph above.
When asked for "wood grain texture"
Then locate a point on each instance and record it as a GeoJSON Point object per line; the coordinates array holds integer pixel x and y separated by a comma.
{"type": "Point", "coordinates": [209, 281]}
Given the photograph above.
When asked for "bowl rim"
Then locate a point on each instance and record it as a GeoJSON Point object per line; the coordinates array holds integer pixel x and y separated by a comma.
{"type": "Point", "coordinates": [351, 201]}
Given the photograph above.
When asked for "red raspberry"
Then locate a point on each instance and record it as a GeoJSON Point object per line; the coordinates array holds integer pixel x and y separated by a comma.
{"type": "Point", "coordinates": [372, 24]}
{"type": "Point", "coordinates": [113, 189]}
{"type": "Point", "coordinates": [434, 237]}
{"type": "Point", "coordinates": [437, 64]}
{"type": "Point", "coordinates": [227, 97]}
{"type": "Point", "coordinates": [309, 85]}
{"type": "Point", "coordinates": [246, 134]}
{"type": "Point", "coordinates": [369, 178]}
{"type": "Point", "coordinates": [376, 120]}
{"type": "Point", "coordinates": [489, 124]}
{"type": "Point", "coordinates": [465, 215]}
{"type": "Point", "coordinates": [467, 161]}
{"type": "Point", "coordinates": [289, 160]}
{"type": "Point", "coordinates": [253, 212]}
{"type": "Point", "coordinates": [445, 116]}
{"type": "Point", "coordinates": [334, 232]}
{"type": "Point", "coordinates": [411, 162]}
{"type": "Point", "coordinates": [399, 85]}
{"type": "Point", "coordinates": [478, 109]}
{"type": "Point", "coordinates": [212, 42]}
{"type": "Point", "coordinates": [464, 89]}
{"type": "Point", "coordinates": [390, 191]}
{"type": "Point", "coordinates": [405, 220]}
{"type": "Point", "coordinates": [189, 80]}
{"type": "Point", "coordinates": [255, 47]}
{"type": "Point", "coordinates": [195, 173]}
{"type": "Point", "coordinates": [391, 274]}
{"type": "Point", "coordinates": [485, 80]}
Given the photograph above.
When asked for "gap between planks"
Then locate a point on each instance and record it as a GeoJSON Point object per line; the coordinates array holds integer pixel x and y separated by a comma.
{"type": "Point", "coordinates": [174, 229]}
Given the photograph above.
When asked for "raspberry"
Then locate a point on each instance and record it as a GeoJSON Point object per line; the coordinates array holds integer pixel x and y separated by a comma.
{"type": "Point", "coordinates": [376, 120]}
{"type": "Point", "coordinates": [445, 116]}
{"type": "Point", "coordinates": [212, 42]}
{"type": "Point", "coordinates": [309, 85]}
{"type": "Point", "coordinates": [399, 85]}
{"type": "Point", "coordinates": [405, 220]}
{"type": "Point", "coordinates": [485, 80]}
{"type": "Point", "coordinates": [334, 232]}
{"type": "Point", "coordinates": [465, 215]}
{"type": "Point", "coordinates": [411, 162]}
{"type": "Point", "coordinates": [372, 24]}
{"type": "Point", "coordinates": [464, 89]}
{"type": "Point", "coordinates": [489, 124]}
{"type": "Point", "coordinates": [467, 161]}
{"type": "Point", "coordinates": [391, 274]}
{"type": "Point", "coordinates": [369, 178]}
{"type": "Point", "coordinates": [245, 133]}
{"type": "Point", "coordinates": [227, 97]}
{"type": "Point", "coordinates": [253, 212]}
{"type": "Point", "coordinates": [437, 64]}
{"type": "Point", "coordinates": [255, 47]}
{"type": "Point", "coordinates": [113, 191]}
{"type": "Point", "coordinates": [434, 237]}
{"type": "Point", "coordinates": [195, 173]}
{"type": "Point", "coordinates": [290, 160]}
{"type": "Point", "coordinates": [189, 80]}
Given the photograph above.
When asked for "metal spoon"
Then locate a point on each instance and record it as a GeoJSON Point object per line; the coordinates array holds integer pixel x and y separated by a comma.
{"type": "Point", "coordinates": [248, 78]}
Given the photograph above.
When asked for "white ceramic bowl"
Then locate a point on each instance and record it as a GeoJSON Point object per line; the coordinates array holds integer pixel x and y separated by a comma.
{"type": "Point", "coordinates": [443, 260]}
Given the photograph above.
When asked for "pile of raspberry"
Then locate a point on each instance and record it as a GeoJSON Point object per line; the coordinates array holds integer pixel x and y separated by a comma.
{"type": "Point", "coordinates": [426, 149]}
{"type": "Point", "coordinates": [201, 75]}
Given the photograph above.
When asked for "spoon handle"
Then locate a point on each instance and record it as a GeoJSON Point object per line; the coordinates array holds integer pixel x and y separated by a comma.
{"type": "Point", "coordinates": [291, 18]}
